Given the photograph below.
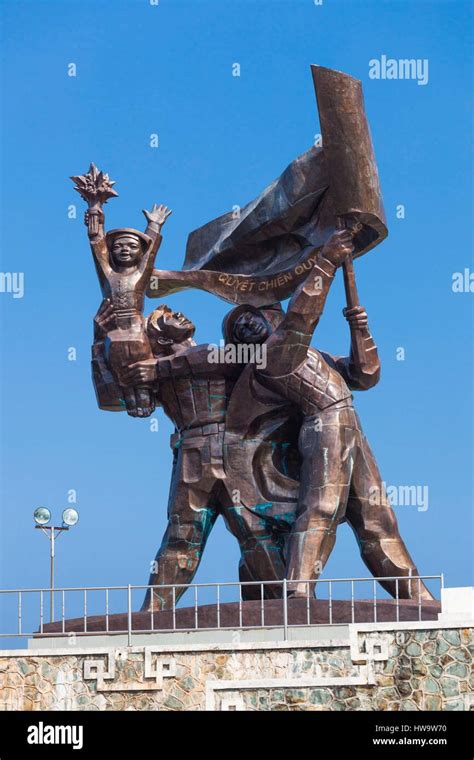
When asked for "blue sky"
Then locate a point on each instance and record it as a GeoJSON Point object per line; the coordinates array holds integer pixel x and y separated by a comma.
{"type": "Point", "coordinates": [167, 69]}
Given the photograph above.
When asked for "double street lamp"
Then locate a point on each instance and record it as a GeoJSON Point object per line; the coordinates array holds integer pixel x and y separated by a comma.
{"type": "Point", "coordinates": [42, 516]}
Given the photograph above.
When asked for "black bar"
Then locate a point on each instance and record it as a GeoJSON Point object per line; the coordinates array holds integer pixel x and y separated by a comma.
{"type": "Point", "coordinates": [364, 734]}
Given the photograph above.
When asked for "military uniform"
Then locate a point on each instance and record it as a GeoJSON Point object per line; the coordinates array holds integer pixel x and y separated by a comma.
{"type": "Point", "coordinates": [339, 478]}
{"type": "Point", "coordinates": [199, 492]}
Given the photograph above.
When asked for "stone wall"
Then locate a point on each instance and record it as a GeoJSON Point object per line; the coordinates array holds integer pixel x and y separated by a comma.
{"type": "Point", "coordinates": [421, 667]}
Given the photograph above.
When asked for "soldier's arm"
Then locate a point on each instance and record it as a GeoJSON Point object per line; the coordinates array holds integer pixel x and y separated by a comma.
{"type": "Point", "coordinates": [197, 361]}
{"type": "Point", "coordinates": [287, 347]}
{"type": "Point", "coordinates": [201, 361]}
{"type": "Point", "coordinates": [361, 369]}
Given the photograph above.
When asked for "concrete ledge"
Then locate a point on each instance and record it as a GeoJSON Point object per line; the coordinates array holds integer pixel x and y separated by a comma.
{"type": "Point", "coordinates": [457, 604]}
{"type": "Point", "coordinates": [169, 648]}
{"type": "Point", "coordinates": [235, 640]}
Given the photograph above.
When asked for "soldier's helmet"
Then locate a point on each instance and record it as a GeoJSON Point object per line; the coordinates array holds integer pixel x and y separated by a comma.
{"type": "Point", "coordinates": [273, 314]}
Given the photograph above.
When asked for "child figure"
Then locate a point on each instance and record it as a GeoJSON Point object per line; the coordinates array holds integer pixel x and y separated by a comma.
{"type": "Point", "coordinates": [124, 260]}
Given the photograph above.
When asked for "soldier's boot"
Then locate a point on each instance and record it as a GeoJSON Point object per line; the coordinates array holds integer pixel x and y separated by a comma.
{"type": "Point", "coordinates": [389, 557]}
{"type": "Point", "coordinates": [308, 551]}
{"type": "Point", "coordinates": [262, 561]}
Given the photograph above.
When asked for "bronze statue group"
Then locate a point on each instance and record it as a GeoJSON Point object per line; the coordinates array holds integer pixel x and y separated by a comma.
{"type": "Point", "coordinates": [276, 448]}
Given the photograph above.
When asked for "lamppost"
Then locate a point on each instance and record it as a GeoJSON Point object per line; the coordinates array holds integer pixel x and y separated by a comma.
{"type": "Point", "coordinates": [42, 516]}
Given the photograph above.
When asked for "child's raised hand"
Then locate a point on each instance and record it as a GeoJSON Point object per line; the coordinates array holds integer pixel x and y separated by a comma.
{"type": "Point", "coordinates": [158, 214]}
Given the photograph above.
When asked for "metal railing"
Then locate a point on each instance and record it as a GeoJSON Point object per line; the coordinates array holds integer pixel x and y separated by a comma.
{"type": "Point", "coordinates": [265, 608]}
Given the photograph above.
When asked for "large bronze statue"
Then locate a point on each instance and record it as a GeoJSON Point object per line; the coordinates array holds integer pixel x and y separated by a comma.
{"type": "Point", "coordinates": [273, 445]}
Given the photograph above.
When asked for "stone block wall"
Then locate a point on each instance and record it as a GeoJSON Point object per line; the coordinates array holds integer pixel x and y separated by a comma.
{"type": "Point", "coordinates": [403, 668]}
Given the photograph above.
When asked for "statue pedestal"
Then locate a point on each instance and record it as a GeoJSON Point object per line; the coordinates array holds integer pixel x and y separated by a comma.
{"type": "Point", "coordinates": [366, 665]}
{"type": "Point", "coordinates": [254, 614]}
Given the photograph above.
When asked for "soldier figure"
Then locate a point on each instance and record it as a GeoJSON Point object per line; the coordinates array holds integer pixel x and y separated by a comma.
{"type": "Point", "coordinates": [339, 476]}
{"type": "Point", "coordinates": [194, 394]}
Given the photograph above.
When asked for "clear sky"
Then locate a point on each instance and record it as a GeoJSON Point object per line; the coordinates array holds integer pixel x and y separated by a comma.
{"type": "Point", "coordinates": [167, 69]}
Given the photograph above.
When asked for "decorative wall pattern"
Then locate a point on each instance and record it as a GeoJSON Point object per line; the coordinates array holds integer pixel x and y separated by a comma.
{"type": "Point", "coordinates": [374, 670]}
